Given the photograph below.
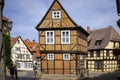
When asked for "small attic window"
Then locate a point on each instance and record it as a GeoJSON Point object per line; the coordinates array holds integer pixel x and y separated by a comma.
{"type": "Point", "coordinates": [56, 14]}
{"type": "Point", "coordinates": [98, 42]}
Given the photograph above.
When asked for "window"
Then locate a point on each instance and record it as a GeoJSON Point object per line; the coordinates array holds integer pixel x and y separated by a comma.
{"type": "Point", "coordinates": [66, 56]}
{"type": "Point", "coordinates": [17, 49]}
{"type": "Point", "coordinates": [56, 14]}
{"type": "Point", "coordinates": [28, 65]}
{"type": "Point", "coordinates": [97, 53]}
{"type": "Point", "coordinates": [49, 37]}
{"type": "Point", "coordinates": [107, 53]}
{"type": "Point", "coordinates": [65, 37]}
{"type": "Point", "coordinates": [85, 64]}
{"type": "Point", "coordinates": [91, 54]}
{"type": "Point", "coordinates": [27, 56]}
{"type": "Point", "coordinates": [81, 56]}
{"type": "Point", "coordinates": [98, 42]}
{"type": "Point", "coordinates": [98, 65]}
{"type": "Point", "coordinates": [18, 65]}
{"type": "Point", "coordinates": [19, 56]}
{"type": "Point", "coordinates": [50, 56]}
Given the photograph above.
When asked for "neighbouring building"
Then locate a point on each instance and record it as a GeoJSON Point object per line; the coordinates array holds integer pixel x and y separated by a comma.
{"type": "Point", "coordinates": [63, 44]}
{"type": "Point", "coordinates": [33, 46]}
{"type": "Point", "coordinates": [5, 27]}
{"type": "Point", "coordinates": [21, 54]}
{"type": "Point", "coordinates": [103, 50]}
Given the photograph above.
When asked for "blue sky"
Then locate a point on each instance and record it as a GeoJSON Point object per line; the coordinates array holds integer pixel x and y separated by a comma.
{"type": "Point", "coordinates": [26, 14]}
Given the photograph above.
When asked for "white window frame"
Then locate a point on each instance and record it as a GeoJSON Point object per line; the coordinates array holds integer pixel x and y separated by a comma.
{"type": "Point", "coordinates": [66, 56]}
{"type": "Point", "coordinates": [56, 14]}
{"type": "Point", "coordinates": [65, 37]}
{"type": "Point", "coordinates": [81, 56]}
{"type": "Point", "coordinates": [49, 37]}
{"type": "Point", "coordinates": [85, 64]}
{"type": "Point", "coordinates": [50, 56]}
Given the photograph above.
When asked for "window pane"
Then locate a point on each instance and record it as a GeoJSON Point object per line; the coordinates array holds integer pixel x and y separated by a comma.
{"type": "Point", "coordinates": [67, 34]}
{"type": "Point", "coordinates": [63, 34]}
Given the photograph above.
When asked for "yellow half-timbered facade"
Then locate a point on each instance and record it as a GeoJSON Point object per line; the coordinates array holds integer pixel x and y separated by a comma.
{"type": "Point", "coordinates": [63, 44]}
{"type": "Point", "coordinates": [103, 50]}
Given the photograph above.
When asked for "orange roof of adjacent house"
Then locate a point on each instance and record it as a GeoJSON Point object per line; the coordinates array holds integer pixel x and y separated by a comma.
{"type": "Point", "coordinates": [33, 46]}
{"type": "Point", "coordinates": [13, 40]}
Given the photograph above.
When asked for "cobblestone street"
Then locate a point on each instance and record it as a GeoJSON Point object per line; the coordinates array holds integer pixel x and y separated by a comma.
{"type": "Point", "coordinates": [29, 75]}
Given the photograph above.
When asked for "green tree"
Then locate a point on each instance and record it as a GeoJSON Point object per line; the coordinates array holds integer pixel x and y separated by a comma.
{"type": "Point", "coordinates": [7, 50]}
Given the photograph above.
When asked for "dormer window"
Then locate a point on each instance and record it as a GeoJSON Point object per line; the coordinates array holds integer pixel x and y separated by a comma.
{"type": "Point", "coordinates": [98, 42]}
{"type": "Point", "coordinates": [56, 14]}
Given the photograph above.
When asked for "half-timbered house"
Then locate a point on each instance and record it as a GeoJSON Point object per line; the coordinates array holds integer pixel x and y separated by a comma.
{"type": "Point", "coordinates": [63, 44]}
{"type": "Point", "coordinates": [103, 50]}
{"type": "Point", "coordinates": [20, 54]}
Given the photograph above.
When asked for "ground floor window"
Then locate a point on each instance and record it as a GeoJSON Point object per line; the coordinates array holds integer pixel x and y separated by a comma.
{"type": "Point", "coordinates": [50, 56]}
{"type": "Point", "coordinates": [28, 65]}
{"type": "Point", "coordinates": [66, 56]}
{"type": "Point", "coordinates": [98, 65]}
{"type": "Point", "coordinates": [18, 65]}
{"type": "Point", "coordinates": [24, 65]}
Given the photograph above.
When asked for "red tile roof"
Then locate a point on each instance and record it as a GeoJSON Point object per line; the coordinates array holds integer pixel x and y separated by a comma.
{"type": "Point", "coordinates": [33, 47]}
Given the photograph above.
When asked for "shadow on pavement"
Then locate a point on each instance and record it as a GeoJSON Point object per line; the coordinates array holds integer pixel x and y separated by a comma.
{"type": "Point", "coordinates": [107, 76]}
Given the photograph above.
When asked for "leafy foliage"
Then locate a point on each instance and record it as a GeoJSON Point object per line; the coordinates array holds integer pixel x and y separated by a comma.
{"type": "Point", "coordinates": [7, 50]}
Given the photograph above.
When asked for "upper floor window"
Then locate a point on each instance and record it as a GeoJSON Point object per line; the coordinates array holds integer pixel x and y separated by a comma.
{"type": "Point", "coordinates": [27, 56]}
{"type": "Point", "coordinates": [107, 53]}
{"type": "Point", "coordinates": [97, 53]}
{"type": "Point", "coordinates": [17, 49]}
{"type": "Point", "coordinates": [91, 54]}
{"type": "Point", "coordinates": [49, 37]}
{"type": "Point", "coordinates": [20, 56]}
{"type": "Point", "coordinates": [65, 37]}
{"type": "Point", "coordinates": [66, 56]}
{"type": "Point", "coordinates": [50, 56]}
{"type": "Point", "coordinates": [56, 14]}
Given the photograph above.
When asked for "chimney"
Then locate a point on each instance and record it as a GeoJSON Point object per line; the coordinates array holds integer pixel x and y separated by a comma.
{"type": "Point", "coordinates": [88, 29]}
{"type": "Point", "coordinates": [33, 40]}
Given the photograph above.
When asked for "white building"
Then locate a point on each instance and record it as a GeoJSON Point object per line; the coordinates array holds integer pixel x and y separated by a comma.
{"type": "Point", "coordinates": [20, 54]}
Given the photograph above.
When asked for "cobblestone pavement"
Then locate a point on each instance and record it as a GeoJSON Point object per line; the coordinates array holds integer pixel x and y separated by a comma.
{"type": "Point", "coordinates": [104, 75]}
{"type": "Point", "coordinates": [23, 75]}
{"type": "Point", "coordinates": [29, 75]}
